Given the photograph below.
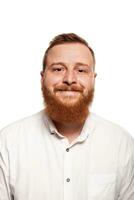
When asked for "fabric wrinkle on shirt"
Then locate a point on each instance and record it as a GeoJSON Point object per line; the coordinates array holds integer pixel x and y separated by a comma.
{"type": "Point", "coordinates": [37, 162]}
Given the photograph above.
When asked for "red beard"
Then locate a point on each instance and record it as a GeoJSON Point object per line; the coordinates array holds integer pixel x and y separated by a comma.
{"type": "Point", "coordinates": [65, 111]}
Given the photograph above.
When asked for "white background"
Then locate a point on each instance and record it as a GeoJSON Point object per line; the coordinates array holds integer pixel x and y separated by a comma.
{"type": "Point", "coordinates": [27, 26]}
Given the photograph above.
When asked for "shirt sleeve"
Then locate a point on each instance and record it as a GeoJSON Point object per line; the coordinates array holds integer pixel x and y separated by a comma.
{"type": "Point", "coordinates": [4, 171]}
{"type": "Point", "coordinates": [127, 171]}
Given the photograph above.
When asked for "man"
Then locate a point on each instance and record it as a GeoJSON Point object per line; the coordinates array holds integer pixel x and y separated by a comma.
{"type": "Point", "coordinates": [65, 152]}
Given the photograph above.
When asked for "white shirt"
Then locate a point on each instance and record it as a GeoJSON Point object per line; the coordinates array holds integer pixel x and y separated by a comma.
{"type": "Point", "coordinates": [38, 163]}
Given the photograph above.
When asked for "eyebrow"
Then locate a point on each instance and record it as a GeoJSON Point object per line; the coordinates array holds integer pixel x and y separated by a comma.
{"type": "Point", "coordinates": [58, 63]}
{"type": "Point", "coordinates": [63, 64]}
{"type": "Point", "coordinates": [82, 64]}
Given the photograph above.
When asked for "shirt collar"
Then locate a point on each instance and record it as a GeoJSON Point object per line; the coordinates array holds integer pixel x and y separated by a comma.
{"type": "Point", "coordinates": [86, 130]}
{"type": "Point", "coordinates": [51, 126]}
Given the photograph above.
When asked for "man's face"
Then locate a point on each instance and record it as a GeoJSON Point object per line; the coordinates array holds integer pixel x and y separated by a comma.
{"type": "Point", "coordinates": [69, 74]}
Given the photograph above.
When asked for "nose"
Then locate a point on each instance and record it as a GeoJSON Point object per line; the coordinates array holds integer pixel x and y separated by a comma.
{"type": "Point", "coordinates": [69, 78]}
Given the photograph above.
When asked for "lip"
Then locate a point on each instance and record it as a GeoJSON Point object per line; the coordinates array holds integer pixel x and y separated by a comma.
{"type": "Point", "coordinates": [67, 90]}
{"type": "Point", "coordinates": [68, 93]}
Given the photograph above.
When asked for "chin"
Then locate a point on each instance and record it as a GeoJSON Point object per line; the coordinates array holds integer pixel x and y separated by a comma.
{"type": "Point", "coordinates": [69, 99]}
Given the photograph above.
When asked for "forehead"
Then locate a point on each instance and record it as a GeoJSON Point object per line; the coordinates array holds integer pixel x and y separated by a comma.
{"type": "Point", "coordinates": [70, 53]}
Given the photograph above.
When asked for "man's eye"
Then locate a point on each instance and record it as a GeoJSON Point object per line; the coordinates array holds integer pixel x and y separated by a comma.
{"type": "Point", "coordinates": [82, 70]}
{"type": "Point", "coordinates": [58, 69]}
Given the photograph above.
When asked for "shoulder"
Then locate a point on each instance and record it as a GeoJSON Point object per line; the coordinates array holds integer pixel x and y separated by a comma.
{"type": "Point", "coordinates": [22, 126]}
{"type": "Point", "coordinates": [109, 127]}
{"type": "Point", "coordinates": [115, 138]}
{"type": "Point", "coordinates": [112, 132]}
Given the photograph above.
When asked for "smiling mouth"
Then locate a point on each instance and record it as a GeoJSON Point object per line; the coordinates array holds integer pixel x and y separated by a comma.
{"type": "Point", "coordinates": [68, 91]}
{"type": "Point", "coordinates": [60, 90]}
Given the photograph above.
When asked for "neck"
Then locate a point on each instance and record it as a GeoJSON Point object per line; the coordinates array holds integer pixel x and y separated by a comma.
{"type": "Point", "coordinates": [69, 130]}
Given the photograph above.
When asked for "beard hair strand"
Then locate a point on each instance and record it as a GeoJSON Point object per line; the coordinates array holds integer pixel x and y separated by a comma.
{"type": "Point", "coordinates": [65, 112]}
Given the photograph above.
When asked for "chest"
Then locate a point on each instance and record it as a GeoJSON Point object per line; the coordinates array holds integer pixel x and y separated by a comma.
{"type": "Point", "coordinates": [52, 170]}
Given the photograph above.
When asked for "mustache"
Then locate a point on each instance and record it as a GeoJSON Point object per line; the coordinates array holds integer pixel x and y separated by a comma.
{"type": "Point", "coordinates": [68, 88]}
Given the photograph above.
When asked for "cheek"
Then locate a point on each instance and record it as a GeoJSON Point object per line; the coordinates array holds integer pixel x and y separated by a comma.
{"type": "Point", "coordinates": [50, 81]}
{"type": "Point", "coordinates": [87, 83]}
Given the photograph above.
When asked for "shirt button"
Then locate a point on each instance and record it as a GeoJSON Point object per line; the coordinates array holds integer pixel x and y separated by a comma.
{"type": "Point", "coordinates": [67, 149]}
{"type": "Point", "coordinates": [68, 179]}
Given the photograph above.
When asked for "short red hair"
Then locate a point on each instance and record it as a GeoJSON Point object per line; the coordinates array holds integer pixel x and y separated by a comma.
{"type": "Point", "coordinates": [65, 38]}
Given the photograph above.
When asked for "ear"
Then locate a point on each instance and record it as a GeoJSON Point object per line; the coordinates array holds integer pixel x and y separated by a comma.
{"type": "Point", "coordinates": [95, 74]}
{"type": "Point", "coordinates": [41, 73]}
{"type": "Point", "coordinates": [42, 76]}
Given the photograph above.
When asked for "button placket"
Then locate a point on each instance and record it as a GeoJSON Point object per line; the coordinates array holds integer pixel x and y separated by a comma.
{"type": "Point", "coordinates": [67, 149]}
{"type": "Point", "coordinates": [68, 179]}
{"type": "Point", "coordinates": [67, 174]}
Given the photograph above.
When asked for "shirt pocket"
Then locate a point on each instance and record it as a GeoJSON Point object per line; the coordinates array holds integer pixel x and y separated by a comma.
{"type": "Point", "coordinates": [101, 186]}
